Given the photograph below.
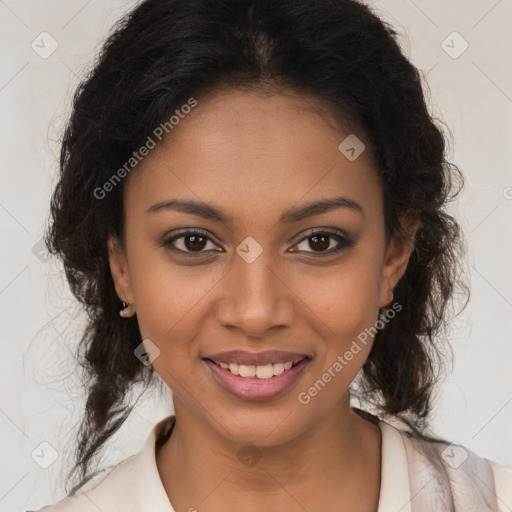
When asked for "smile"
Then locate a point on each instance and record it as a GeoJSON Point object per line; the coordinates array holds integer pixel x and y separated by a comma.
{"type": "Point", "coordinates": [256, 377]}
{"type": "Point", "coordinates": [264, 371]}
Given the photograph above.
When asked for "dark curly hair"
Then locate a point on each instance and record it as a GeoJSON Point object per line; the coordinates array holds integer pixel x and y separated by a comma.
{"type": "Point", "coordinates": [339, 52]}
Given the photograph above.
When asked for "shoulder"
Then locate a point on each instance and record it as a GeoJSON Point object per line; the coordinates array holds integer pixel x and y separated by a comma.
{"type": "Point", "coordinates": [503, 483]}
{"type": "Point", "coordinates": [134, 485]}
{"type": "Point", "coordinates": [113, 492]}
{"type": "Point", "coordinates": [443, 473]}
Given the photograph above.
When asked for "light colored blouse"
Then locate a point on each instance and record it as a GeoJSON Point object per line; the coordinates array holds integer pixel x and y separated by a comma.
{"type": "Point", "coordinates": [416, 476]}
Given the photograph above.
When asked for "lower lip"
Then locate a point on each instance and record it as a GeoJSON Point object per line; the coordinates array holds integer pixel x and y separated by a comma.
{"type": "Point", "coordinates": [252, 388]}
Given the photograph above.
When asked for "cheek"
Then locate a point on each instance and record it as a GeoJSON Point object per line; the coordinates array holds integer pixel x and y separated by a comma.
{"type": "Point", "coordinates": [349, 307]}
{"type": "Point", "coordinates": [168, 296]}
{"type": "Point", "coordinates": [347, 300]}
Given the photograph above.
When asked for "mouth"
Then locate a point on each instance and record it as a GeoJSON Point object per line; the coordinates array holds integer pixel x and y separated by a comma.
{"type": "Point", "coordinates": [263, 371]}
{"type": "Point", "coordinates": [256, 376]}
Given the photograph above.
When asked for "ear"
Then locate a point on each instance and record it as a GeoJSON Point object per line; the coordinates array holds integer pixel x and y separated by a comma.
{"type": "Point", "coordinates": [397, 258]}
{"type": "Point", "coordinates": [119, 270]}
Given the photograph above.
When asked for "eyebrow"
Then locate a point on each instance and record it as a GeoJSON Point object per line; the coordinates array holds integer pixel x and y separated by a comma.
{"type": "Point", "coordinates": [211, 212]}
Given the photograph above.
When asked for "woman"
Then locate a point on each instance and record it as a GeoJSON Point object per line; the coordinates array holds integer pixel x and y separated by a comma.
{"type": "Point", "coordinates": [261, 188]}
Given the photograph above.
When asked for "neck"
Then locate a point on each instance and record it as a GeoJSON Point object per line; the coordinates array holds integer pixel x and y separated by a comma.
{"type": "Point", "coordinates": [336, 462]}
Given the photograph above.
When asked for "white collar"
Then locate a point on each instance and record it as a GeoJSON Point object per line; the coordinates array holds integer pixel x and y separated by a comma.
{"type": "Point", "coordinates": [134, 485]}
{"type": "Point", "coordinates": [394, 490]}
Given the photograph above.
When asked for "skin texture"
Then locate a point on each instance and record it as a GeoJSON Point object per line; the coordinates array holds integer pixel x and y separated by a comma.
{"type": "Point", "coordinates": [255, 155]}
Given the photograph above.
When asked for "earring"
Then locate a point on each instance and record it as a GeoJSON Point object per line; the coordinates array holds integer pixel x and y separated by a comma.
{"type": "Point", "coordinates": [126, 310]}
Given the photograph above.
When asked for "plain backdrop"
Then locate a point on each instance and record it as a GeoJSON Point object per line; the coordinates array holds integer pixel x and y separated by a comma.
{"type": "Point", "coordinates": [463, 49]}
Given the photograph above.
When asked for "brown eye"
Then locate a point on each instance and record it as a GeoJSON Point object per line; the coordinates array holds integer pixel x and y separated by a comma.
{"type": "Point", "coordinates": [194, 242]}
{"type": "Point", "coordinates": [189, 242]}
{"type": "Point", "coordinates": [320, 241]}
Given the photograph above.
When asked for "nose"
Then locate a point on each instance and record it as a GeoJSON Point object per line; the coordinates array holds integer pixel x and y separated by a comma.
{"type": "Point", "coordinates": [255, 298]}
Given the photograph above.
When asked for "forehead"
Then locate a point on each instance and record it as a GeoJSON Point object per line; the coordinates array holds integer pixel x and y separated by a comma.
{"type": "Point", "coordinates": [254, 150]}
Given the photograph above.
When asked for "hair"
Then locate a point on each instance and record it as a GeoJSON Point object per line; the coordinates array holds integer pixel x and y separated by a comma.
{"type": "Point", "coordinates": [164, 52]}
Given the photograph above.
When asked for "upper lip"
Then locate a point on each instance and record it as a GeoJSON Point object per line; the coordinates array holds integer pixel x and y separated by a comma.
{"type": "Point", "coordinates": [256, 359]}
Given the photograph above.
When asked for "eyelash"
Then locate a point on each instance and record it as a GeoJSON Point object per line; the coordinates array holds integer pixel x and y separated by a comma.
{"type": "Point", "coordinates": [344, 243]}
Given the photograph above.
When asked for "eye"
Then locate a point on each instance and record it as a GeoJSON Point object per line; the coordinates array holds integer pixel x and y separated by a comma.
{"type": "Point", "coordinates": [195, 242]}
{"type": "Point", "coordinates": [190, 242]}
{"type": "Point", "coordinates": [320, 241]}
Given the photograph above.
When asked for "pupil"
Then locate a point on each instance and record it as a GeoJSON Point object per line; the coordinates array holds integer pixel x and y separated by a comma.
{"type": "Point", "coordinates": [194, 244]}
{"type": "Point", "coordinates": [323, 245]}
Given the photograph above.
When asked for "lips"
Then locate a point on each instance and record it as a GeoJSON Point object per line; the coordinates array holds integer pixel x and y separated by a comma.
{"type": "Point", "coordinates": [255, 388]}
{"type": "Point", "coordinates": [256, 376]}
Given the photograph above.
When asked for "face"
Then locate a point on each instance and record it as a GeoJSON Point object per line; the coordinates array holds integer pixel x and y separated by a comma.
{"type": "Point", "coordinates": [258, 271]}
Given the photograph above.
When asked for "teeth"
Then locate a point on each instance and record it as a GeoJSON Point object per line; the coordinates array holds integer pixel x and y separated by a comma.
{"type": "Point", "coordinates": [278, 368]}
{"type": "Point", "coordinates": [234, 368]}
{"type": "Point", "coordinates": [247, 370]}
{"type": "Point", "coordinates": [264, 371]}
